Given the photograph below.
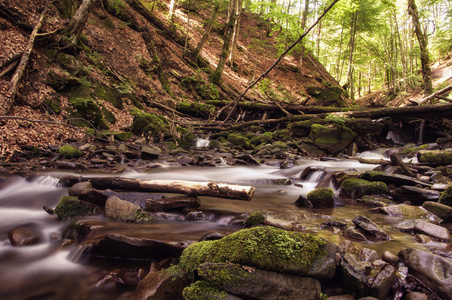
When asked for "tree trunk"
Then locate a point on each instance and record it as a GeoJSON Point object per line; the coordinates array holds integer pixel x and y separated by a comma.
{"type": "Point", "coordinates": [196, 53]}
{"type": "Point", "coordinates": [235, 34]}
{"type": "Point", "coordinates": [171, 9]}
{"type": "Point", "coordinates": [191, 188]}
{"type": "Point", "coordinates": [302, 27]}
{"type": "Point", "coordinates": [422, 39]}
{"type": "Point", "coordinates": [216, 76]}
{"type": "Point", "coordinates": [78, 21]}
{"type": "Point", "coordinates": [14, 85]}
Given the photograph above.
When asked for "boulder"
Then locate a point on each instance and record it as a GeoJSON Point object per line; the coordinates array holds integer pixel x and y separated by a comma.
{"type": "Point", "coordinates": [433, 230]}
{"type": "Point", "coordinates": [120, 210]}
{"type": "Point", "coordinates": [160, 286]}
{"type": "Point", "coordinates": [321, 197]}
{"type": "Point", "coordinates": [67, 151]}
{"type": "Point", "coordinates": [390, 257]}
{"type": "Point", "coordinates": [25, 235]}
{"type": "Point", "coordinates": [203, 289]}
{"type": "Point", "coordinates": [446, 196]}
{"type": "Point", "coordinates": [383, 281]}
{"type": "Point", "coordinates": [370, 229]}
{"type": "Point", "coordinates": [367, 255]}
{"type": "Point", "coordinates": [125, 247]}
{"type": "Point", "coordinates": [356, 188]}
{"type": "Point", "coordinates": [260, 284]}
{"type": "Point", "coordinates": [150, 152]}
{"type": "Point", "coordinates": [441, 210]}
{"type": "Point", "coordinates": [178, 202]}
{"type": "Point", "coordinates": [405, 210]}
{"type": "Point", "coordinates": [333, 138]}
{"type": "Point", "coordinates": [79, 187]}
{"type": "Point", "coordinates": [414, 195]}
{"type": "Point", "coordinates": [70, 207]}
{"type": "Point", "coordinates": [354, 234]}
{"type": "Point", "coordinates": [432, 270]}
{"type": "Point", "coordinates": [267, 248]}
{"type": "Point", "coordinates": [353, 274]}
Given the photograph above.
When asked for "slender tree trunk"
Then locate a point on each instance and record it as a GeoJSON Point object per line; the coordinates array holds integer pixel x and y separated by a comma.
{"type": "Point", "coordinates": [302, 27]}
{"type": "Point", "coordinates": [216, 76]}
{"type": "Point", "coordinates": [188, 28]}
{"type": "Point", "coordinates": [422, 39]}
{"type": "Point", "coordinates": [198, 49]}
{"type": "Point", "coordinates": [172, 8]}
{"type": "Point", "coordinates": [78, 21]}
{"type": "Point", "coordinates": [351, 56]}
{"type": "Point", "coordinates": [235, 34]}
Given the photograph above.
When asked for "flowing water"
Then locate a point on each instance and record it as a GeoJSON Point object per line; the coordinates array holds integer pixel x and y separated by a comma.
{"type": "Point", "coordinates": [53, 272]}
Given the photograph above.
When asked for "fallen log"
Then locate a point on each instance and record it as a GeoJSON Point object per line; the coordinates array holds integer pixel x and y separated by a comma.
{"type": "Point", "coordinates": [435, 157]}
{"type": "Point", "coordinates": [191, 188]}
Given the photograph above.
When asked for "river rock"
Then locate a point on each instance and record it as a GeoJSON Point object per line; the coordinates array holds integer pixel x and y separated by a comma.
{"type": "Point", "coordinates": [291, 252]}
{"type": "Point", "coordinates": [353, 274]}
{"type": "Point", "coordinates": [433, 230]}
{"type": "Point", "coordinates": [120, 246]}
{"type": "Point", "coordinates": [390, 257]}
{"type": "Point", "coordinates": [79, 187]}
{"type": "Point", "coordinates": [333, 138]}
{"type": "Point", "coordinates": [432, 270]}
{"type": "Point", "coordinates": [202, 289]}
{"type": "Point", "coordinates": [446, 196]}
{"type": "Point", "coordinates": [370, 229]}
{"type": "Point", "coordinates": [150, 152]}
{"type": "Point", "coordinates": [260, 284]}
{"type": "Point", "coordinates": [354, 234]}
{"type": "Point", "coordinates": [405, 210]}
{"type": "Point", "coordinates": [367, 255]}
{"type": "Point", "coordinates": [441, 210]}
{"type": "Point", "coordinates": [396, 179]}
{"type": "Point", "coordinates": [25, 235]}
{"type": "Point", "coordinates": [416, 296]}
{"type": "Point", "coordinates": [165, 204]}
{"type": "Point", "coordinates": [355, 188]}
{"type": "Point", "coordinates": [383, 281]}
{"type": "Point", "coordinates": [321, 197]}
{"type": "Point", "coordinates": [160, 286]}
{"type": "Point", "coordinates": [422, 238]}
{"type": "Point", "coordinates": [415, 195]}
{"type": "Point", "coordinates": [120, 210]}
{"type": "Point", "coordinates": [70, 207]}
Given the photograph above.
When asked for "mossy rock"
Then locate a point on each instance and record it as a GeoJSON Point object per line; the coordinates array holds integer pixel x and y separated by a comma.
{"type": "Point", "coordinates": [150, 124]}
{"type": "Point", "coordinates": [69, 152]}
{"type": "Point", "coordinates": [321, 197]}
{"type": "Point", "coordinates": [334, 138]}
{"type": "Point", "coordinates": [267, 248]}
{"type": "Point", "coordinates": [66, 8]}
{"type": "Point", "coordinates": [355, 188]}
{"type": "Point", "coordinates": [446, 196]}
{"type": "Point", "coordinates": [87, 109]}
{"type": "Point", "coordinates": [327, 95]}
{"type": "Point", "coordinates": [69, 63]}
{"type": "Point", "coordinates": [196, 109]}
{"type": "Point", "coordinates": [203, 289]}
{"type": "Point", "coordinates": [122, 136]}
{"type": "Point", "coordinates": [53, 106]}
{"type": "Point", "coordinates": [283, 134]}
{"type": "Point", "coordinates": [279, 145]}
{"type": "Point", "coordinates": [111, 95]}
{"type": "Point", "coordinates": [264, 138]}
{"type": "Point", "coordinates": [254, 218]}
{"type": "Point", "coordinates": [70, 207]}
{"type": "Point", "coordinates": [239, 140]}
{"type": "Point", "coordinates": [109, 116]}
{"type": "Point", "coordinates": [186, 138]}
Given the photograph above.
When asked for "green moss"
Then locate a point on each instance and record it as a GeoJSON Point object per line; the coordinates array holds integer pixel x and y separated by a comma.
{"type": "Point", "coordinates": [70, 207]}
{"type": "Point", "coordinates": [150, 124]}
{"type": "Point", "coordinates": [122, 136]}
{"type": "Point", "coordinates": [186, 137]}
{"type": "Point", "coordinates": [203, 290]}
{"type": "Point", "coordinates": [196, 109]}
{"type": "Point", "coordinates": [239, 140]}
{"type": "Point", "coordinates": [223, 274]}
{"type": "Point", "coordinates": [255, 218]}
{"type": "Point", "coordinates": [68, 151]}
{"type": "Point", "coordinates": [262, 138]}
{"type": "Point", "coordinates": [87, 109]}
{"type": "Point", "coordinates": [363, 187]}
{"type": "Point", "coordinates": [321, 197]}
{"type": "Point", "coordinates": [266, 247]}
{"type": "Point", "coordinates": [446, 196]}
{"type": "Point", "coordinates": [52, 106]}
{"type": "Point", "coordinates": [109, 116]}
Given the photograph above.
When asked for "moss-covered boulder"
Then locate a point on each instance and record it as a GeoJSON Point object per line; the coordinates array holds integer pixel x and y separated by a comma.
{"type": "Point", "coordinates": [186, 138]}
{"type": "Point", "coordinates": [150, 125]}
{"type": "Point", "coordinates": [196, 109]}
{"type": "Point", "coordinates": [333, 138]}
{"type": "Point", "coordinates": [254, 218]}
{"type": "Point", "coordinates": [203, 289]}
{"type": "Point", "coordinates": [239, 140]}
{"type": "Point", "coordinates": [70, 207]}
{"type": "Point", "coordinates": [321, 197]}
{"type": "Point", "coordinates": [85, 109]}
{"type": "Point", "coordinates": [261, 138]}
{"type": "Point", "coordinates": [67, 151]}
{"type": "Point", "coordinates": [69, 63]}
{"type": "Point", "coordinates": [356, 188]}
{"type": "Point", "coordinates": [327, 95]}
{"type": "Point", "coordinates": [267, 248]}
{"type": "Point", "coordinates": [446, 196]}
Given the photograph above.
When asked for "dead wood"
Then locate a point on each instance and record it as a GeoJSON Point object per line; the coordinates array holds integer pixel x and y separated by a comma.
{"type": "Point", "coordinates": [191, 188]}
{"type": "Point", "coordinates": [14, 85]}
{"type": "Point", "coordinates": [397, 161]}
{"type": "Point", "coordinates": [435, 94]}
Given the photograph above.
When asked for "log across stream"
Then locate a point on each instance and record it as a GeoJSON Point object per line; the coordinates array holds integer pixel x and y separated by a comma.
{"type": "Point", "coordinates": [45, 268]}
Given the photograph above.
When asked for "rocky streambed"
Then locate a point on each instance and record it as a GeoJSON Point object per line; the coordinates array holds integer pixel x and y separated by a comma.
{"type": "Point", "coordinates": [342, 228]}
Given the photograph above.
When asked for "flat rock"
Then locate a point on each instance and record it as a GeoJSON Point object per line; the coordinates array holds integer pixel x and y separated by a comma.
{"type": "Point", "coordinates": [432, 270]}
{"type": "Point", "coordinates": [259, 284]}
{"type": "Point", "coordinates": [441, 210]}
{"type": "Point", "coordinates": [415, 195]}
{"type": "Point", "coordinates": [433, 230]}
{"type": "Point", "coordinates": [371, 230]}
{"type": "Point", "coordinates": [120, 210]}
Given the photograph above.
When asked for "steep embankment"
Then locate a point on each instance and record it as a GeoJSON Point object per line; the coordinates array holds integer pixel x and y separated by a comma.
{"type": "Point", "coordinates": [130, 60]}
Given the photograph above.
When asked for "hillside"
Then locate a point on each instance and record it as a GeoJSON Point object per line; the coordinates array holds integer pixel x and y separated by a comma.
{"type": "Point", "coordinates": [126, 62]}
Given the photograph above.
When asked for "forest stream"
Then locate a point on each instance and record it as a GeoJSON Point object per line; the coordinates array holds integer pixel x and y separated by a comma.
{"type": "Point", "coordinates": [48, 269]}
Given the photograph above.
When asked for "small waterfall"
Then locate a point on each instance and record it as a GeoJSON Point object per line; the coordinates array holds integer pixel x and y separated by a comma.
{"type": "Point", "coordinates": [80, 254]}
{"type": "Point", "coordinates": [315, 176]}
{"type": "Point", "coordinates": [46, 181]}
{"type": "Point", "coordinates": [202, 143]}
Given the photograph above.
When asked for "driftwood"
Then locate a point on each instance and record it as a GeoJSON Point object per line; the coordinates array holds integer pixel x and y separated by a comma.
{"type": "Point", "coordinates": [435, 94]}
{"type": "Point", "coordinates": [213, 189]}
{"type": "Point", "coordinates": [14, 85]}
